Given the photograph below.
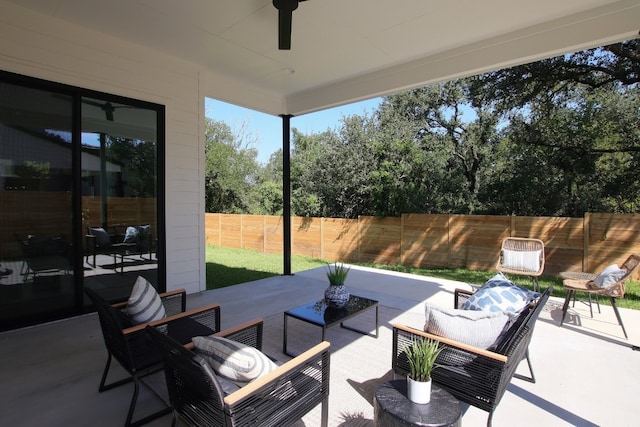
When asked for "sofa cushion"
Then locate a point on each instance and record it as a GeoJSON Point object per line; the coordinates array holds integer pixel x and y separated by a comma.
{"type": "Point", "coordinates": [476, 328]}
{"type": "Point", "coordinates": [500, 294]}
{"type": "Point", "coordinates": [131, 235]}
{"type": "Point", "coordinates": [144, 304]}
{"type": "Point", "coordinates": [102, 237]}
{"type": "Point", "coordinates": [238, 362]}
{"type": "Point", "coordinates": [610, 275]}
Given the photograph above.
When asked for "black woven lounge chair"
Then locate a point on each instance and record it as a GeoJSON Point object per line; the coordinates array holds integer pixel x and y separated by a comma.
{"type": "Point", "coordinates": [130, 344]}
{"type": "Point", "coordinates": [280, 398]}
{"type": "Point", "coordinates": [475, 376]}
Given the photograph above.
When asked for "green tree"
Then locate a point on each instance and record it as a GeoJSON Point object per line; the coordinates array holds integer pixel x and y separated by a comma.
{"type": "Point", "coordinates": [138, 161]}
{"type": "Point", "coordinates": [231, 169]}
{"type": "Point", "coordinates": [456, 133]}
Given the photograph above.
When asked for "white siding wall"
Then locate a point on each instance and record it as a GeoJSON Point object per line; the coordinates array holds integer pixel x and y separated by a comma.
{"type": "Point", "coordinates": [37, 46]}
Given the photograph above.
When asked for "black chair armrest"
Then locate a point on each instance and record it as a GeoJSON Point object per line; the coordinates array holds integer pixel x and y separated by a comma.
{"type": "Point", "coordinates": [174, 302]}
{"type": "Point", "coordinates": [181, 327]}
{"type": "Point", "coordinates": [248, 333]}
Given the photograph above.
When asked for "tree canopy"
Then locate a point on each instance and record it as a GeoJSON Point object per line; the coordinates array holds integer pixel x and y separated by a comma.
{"type": "Point", "coordinates": [558, 137]}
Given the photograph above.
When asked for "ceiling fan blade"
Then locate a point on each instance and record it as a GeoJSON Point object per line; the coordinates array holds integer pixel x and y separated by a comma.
{"type": "Point", "coordinates": [284, 29]}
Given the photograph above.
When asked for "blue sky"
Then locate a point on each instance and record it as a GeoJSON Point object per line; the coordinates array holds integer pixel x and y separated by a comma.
{"type": "Point", "coordinates": [267, 130]}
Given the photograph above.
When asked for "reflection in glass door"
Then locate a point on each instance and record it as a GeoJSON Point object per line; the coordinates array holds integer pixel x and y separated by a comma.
{"type": "Point", "coordinates": [78, 198]}
{"type": "Point", "coordinates": [36, 230]}
{"type": "Point", "coordinates": [119, 195]}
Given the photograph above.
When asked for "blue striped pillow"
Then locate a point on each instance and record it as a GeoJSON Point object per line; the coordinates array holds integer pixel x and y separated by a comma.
{"type": "Point", "coordinates": [144, 304]}
{"type": "Point", "coordinates": [238, 362]}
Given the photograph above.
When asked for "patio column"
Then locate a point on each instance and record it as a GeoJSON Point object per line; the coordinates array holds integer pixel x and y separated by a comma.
{"type": "Point", "coordinates": [286, 192]}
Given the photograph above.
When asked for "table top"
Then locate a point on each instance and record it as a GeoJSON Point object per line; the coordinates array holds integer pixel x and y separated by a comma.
{"type": "Point", "coordinates": [442, 410]}
{"type": "Point", "coordinates": [320, 314]}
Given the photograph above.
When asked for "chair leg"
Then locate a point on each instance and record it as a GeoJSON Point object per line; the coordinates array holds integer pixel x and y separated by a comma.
{"type": "Point", "coordinates": [489, 419]}
{"type": "Point", "coordinates": [324, 419]}
{"type": "Point", "coordinates": [615, 309]}
{"type": "Point", "coordinates": [132, 408]}
{"type": "Point", "coordinates": [103, 387]}
{"type": "Point", "coordinates": [565, 307]}
{"type": "Point", "coordinates": [532, 378]}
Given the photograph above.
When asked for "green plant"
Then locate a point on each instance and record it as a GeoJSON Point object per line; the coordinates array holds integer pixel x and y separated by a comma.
{"type": "Point", "coordinates": [422, 356]}
{"type": "Point", "coordinates": [338, 274]}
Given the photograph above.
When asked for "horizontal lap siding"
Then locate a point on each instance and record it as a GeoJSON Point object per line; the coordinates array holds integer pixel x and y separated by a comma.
{"type": "Point", "coordinates": [39, 46]}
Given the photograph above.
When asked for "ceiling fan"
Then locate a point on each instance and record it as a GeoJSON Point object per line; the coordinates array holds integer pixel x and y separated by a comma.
{"type": "Point", "coordinates": [285, 12]}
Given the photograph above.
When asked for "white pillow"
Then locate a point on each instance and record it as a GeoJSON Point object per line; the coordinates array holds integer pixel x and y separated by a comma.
{"type": "Point", "coordinates": [521, 260]}
{"type": "Point", "coordinates": [144, 304]}
{"type": "Point", "coordinates": [610, 275]}
{"type": "Point", "coordinates": [238, 362]}
{"type": "Point", "coordinates": [473, 327]}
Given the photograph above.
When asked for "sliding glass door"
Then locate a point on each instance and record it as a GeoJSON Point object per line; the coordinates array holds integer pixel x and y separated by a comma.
{"type": "Point", "coordinates": [74, 163]}
{"type": "Point", "coordinates": [119, 195]}
{"type": "Point", "coordinates": [36, 183]}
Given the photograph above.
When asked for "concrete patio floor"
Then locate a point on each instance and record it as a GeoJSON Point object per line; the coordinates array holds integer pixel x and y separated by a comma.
{"type": "Point", "coordinates": [587, 374]}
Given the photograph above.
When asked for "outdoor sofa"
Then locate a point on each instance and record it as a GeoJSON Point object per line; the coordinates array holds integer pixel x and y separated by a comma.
{"type": "Point", "coordinates": [476, 376]}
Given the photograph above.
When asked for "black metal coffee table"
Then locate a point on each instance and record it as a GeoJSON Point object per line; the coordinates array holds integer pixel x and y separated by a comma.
{"type": "Point", "coordinates": [319, 314]}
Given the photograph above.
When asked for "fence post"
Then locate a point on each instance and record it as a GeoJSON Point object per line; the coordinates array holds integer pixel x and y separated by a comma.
{"type": "Point", "coordinates": [448, 240]}
{"type": "Point", "coordinates": [359, 237]}
{"type": "Point", "coordinates": [402, 239]}
{"type": "Point", "coordinates": [586, 224]}
{"type": "Point", "coordinates": [322, 238]}
{"type": "Point", "coordinates": [264, 233]}
{"type": "Point", "coordinates": [220, 230]}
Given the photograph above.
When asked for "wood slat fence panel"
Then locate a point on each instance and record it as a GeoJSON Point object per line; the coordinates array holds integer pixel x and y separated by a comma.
{"type": "Point", "coordinates": [441, 241]}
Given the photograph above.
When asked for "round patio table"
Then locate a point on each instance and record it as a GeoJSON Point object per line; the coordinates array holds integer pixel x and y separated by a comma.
{"type": "Point", "coordinates": [392, 407]}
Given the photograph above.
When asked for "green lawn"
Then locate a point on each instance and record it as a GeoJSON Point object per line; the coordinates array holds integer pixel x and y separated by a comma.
{"type": "Point", "coordinates": [228, 266]}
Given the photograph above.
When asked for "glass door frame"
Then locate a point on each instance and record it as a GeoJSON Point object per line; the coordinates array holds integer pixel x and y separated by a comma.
{"type": "Point", "coordinates": [77, 94]}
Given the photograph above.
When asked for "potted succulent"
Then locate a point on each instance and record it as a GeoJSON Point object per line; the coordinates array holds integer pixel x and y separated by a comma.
{"type": "Point", "coordinates": [421, 355]}
{"type": "Point", "coordinates": [336, 295]}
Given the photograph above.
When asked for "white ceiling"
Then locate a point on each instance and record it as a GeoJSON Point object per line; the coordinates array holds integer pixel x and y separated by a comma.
{"type": "Point", "coordinates": [348, 50]}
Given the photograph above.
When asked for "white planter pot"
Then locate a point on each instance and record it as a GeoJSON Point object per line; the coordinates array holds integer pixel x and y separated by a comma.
{"type": "Point", "coordinates": [418, 391]}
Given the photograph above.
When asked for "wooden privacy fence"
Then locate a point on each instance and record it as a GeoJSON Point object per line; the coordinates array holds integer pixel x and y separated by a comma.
{"type": "Point", "coordinates": [47, 214]}
{"type": "Point", "coordinates": [422, 240]}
